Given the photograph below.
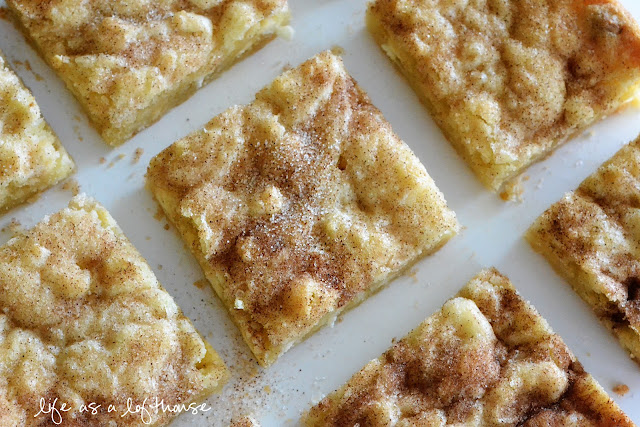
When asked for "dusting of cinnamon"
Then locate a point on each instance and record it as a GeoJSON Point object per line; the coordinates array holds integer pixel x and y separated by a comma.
{"type": "Point", "coordinates": [590, 237]}
{"type": "Point", "coordinates": [14, 228]}
{"type": "Point", "coordinates": [118, 43]}
{"type": "Point", "coordinates": [32, 158]}
{"type": "Point", "coordinates": [486, 358]}
{"type": "Point", "coordinates": [246, 421]}
{"type": "Point", "coordinates": [318, 203]}
{"type": "Point", "coordinates": [68, 267]}
{"type": "Point", "coordinates": [510, 81]}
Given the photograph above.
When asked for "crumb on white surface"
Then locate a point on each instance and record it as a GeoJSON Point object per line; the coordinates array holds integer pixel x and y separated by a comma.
{"type": "Point", "coordinates": [621, 389]}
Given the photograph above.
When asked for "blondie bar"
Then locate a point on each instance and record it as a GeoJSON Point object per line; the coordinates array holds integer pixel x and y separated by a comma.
{"type": "Point", "coordinates": [31, 156]}
{"type": "Point", "coordinates": [508, 81]}
{"type": "Point", "coordinates": [129, 62]}
{"type": "Point", "coordinates": [592, 238]}
{"type": "Point", "coordinates": [486, 358]}
{"type": "Point", "coordinates": [300, 204]}
{"type": "Point", "coordinates": [86, 328]}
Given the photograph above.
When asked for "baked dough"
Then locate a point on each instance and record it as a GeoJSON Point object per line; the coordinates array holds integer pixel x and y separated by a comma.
{"type": "Point", "coordinates": [592, 239]}
{"type": "Point", "coordinates": [508, 81]}
{"type": "Point", "coordinates": [486, 358]}
{"type": "Point", "coordinates": [129, 62]}
{"type": "Point", "coordinates": [84, 320]}
{"type": "Point", "coordinates": [300, 204]}
{"type": "Point", "coordinates": [31, 156]}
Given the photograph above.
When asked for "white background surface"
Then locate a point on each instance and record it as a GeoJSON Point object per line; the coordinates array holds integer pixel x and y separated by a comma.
{"type": "Point", "coordinates": [492, 235]}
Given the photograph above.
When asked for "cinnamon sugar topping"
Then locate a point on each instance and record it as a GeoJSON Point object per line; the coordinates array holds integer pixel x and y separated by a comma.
{"type": "Point", "coordinates": [31, 156]}
{"type": "Point", "coordinates": [299, 204]}
{"type": "Point", "coordinates": [592, 238]}
{"type": "Point", "coordinates": [84, 320]}
{"type": "Point", "coordinates": [486, 358]}
{"type": "Point", "coordinates": [508, 81]}
{"type": "Point", "coordinates": [128, 62]}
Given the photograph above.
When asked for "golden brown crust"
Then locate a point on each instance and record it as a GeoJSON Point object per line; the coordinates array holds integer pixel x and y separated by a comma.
{"type": "Point", "coordinates": [486, 358]}
{"type": "Point", "coordinates": [592, 238]}
{"type": "Point", "coordinates": [129, 62]}
{"type": "Point", "coordinates": [509, 80]}
{"type": "Point", "coordinates": [84, 320]}
{"type": "Point", "coordinates": [300, 204]}
{"type": "Point", "coordinates": [31, 156]}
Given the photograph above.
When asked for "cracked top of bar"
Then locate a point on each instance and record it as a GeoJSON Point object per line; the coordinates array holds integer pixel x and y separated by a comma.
{"type": "Point", "coordinates": [31, 156]}
{"type": "Point", "coordinates": [299, 204]}
{"type": "Point", "coordinates": [128, 62]}
{"type": "Point", "coordinates": [592, 238]}
{"type": "Point", "coordinates": [486, 358]}
{"type": "Point", "coordinates": [509, 80]}
{"type": "Point", "coordinates": [84, 320]}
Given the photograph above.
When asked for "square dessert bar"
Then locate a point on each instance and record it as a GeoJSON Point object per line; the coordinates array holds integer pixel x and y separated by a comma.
{"type": "Point", "coordinates": [129, 62]}
{"type": "Point", "coordinates": [84, 320]}
{"type": "Point", "coordinates": [31, 156]}
{"type": "Point", "coordinates": [487, 358]}
{"type": "Point", "coordinates": [508, 81]}
{"type": "Point", "coordinates": [592, 238]}
{"type": "Point", "coordinates": [300, 204]}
